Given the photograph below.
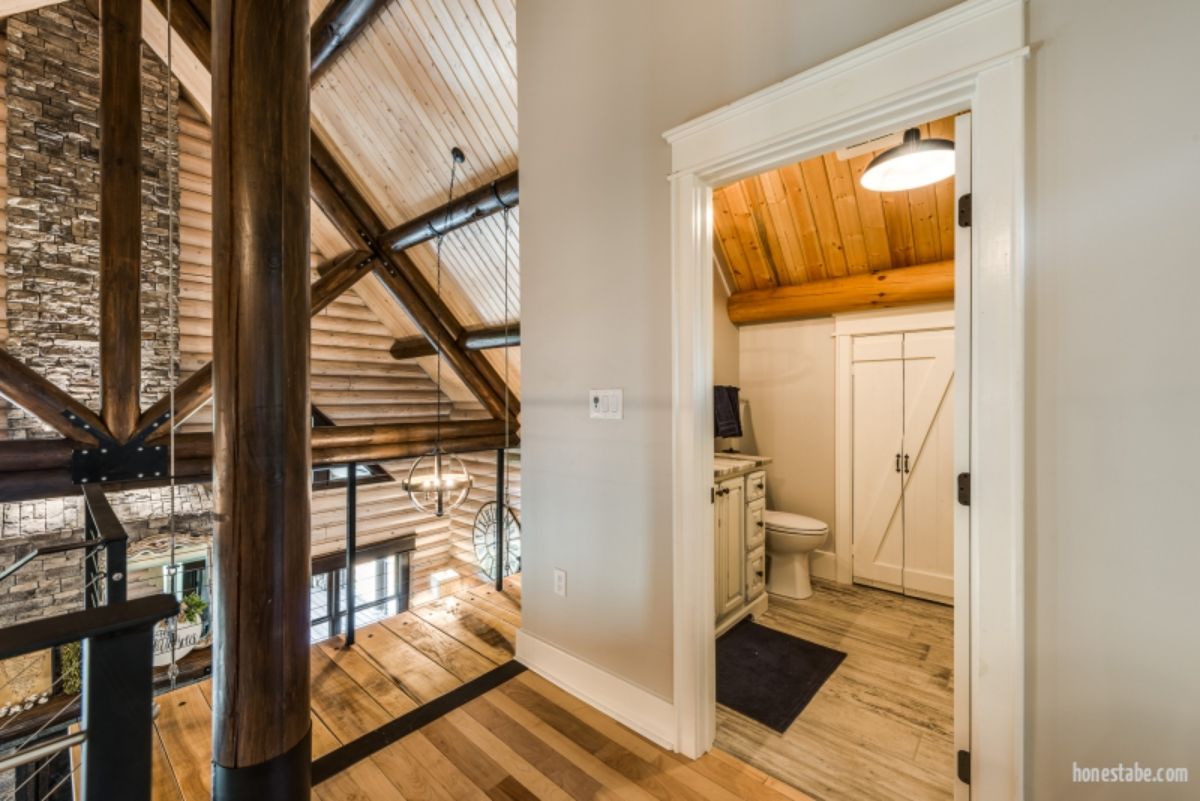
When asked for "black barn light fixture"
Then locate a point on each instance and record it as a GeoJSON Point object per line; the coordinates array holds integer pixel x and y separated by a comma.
{"type": "Point", "coordinates": [913, 163]}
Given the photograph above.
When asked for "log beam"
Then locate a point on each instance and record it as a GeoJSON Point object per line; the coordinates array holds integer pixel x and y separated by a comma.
{"type": "Point", "coordinates": [35, 394]}
{"type": "Point", "coordinates": [120, 215]}
{"type": "Point", "coordinates": [503, 193]}
{"type": "Point", "coordinates": [479, 339]}
{"type": "Point", "coordinates": [902, 286]}
{"type": "Point", "coordinates": [335, 29]}
{"type": "Point", "coordinates": [262, 474]}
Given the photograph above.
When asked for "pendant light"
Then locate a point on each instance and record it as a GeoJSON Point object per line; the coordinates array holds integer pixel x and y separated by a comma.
{"type": "Point", "coordinates": [916, 162]}
{"type": "Point", "coordinates": [439, 482]}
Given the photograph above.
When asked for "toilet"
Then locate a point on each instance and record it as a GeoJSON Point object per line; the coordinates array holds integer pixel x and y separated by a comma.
{"type": "Point", "coordinates": [790, 539]}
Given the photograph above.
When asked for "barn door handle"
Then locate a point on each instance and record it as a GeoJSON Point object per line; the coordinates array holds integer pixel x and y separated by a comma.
{"type": "Point", "coordinates": [906, 463]}
{"type": "Point", "coordinates": [897, 463]}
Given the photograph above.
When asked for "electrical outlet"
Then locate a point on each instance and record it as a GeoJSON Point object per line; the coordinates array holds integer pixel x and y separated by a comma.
{"type": "Point", "coordinates": [560, 582]}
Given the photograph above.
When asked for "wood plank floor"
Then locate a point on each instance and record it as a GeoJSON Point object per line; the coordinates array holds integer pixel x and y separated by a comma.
{"type": "Point", "coordinates": [882, 726]}
{"type": "Point", "coordinates": [394, 666]}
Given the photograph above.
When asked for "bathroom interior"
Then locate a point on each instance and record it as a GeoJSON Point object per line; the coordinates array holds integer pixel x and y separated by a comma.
{"type": "Point", "coordinates": [834, 492]}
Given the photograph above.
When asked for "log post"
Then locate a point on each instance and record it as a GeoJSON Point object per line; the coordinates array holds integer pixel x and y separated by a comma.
{"type": "Point", "coordinates": [120, 215]}
{"type": "Point", "coordinates": [261, 452]}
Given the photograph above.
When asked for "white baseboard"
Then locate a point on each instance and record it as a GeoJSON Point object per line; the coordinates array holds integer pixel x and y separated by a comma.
{"type": "Point", "coordinates": [824, 565]}
{"type": "Point", "coordinates": [639, 709]}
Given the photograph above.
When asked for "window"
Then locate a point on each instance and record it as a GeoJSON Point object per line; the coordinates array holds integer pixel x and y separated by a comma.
{"type": "Point", "coordinates": [332, 477]}
{"type": "Point", "coordinates": [381, 590]}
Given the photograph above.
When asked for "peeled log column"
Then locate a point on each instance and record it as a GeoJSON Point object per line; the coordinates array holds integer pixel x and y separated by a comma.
{"type": "Point", "coordinates": [261, 458]}
{"type": "Point", "coordinates": [120, 215]}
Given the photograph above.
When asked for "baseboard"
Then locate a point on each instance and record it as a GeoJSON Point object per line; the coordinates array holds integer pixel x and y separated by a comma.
{"type": "Point", "coordinates": [824, 565]}
{"type": "Point", "coordinates": [637, 708]}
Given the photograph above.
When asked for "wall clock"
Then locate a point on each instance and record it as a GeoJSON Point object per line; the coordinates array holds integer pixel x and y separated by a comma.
{"type": "Point", "coordinates": [485, 540]}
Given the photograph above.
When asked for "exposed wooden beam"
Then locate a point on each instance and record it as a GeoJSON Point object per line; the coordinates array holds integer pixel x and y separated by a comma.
{"type": "Point", "coordinates": [262, 475]}
{"type": "Point", "coordinates": [335, 29]}
{"type": "Point", "coordinates": [120, 215]}
{"type": "Point", "coordinates": [903, 286]}
{"type": "Point", "coordinates": [45, 401]}
{"type": "Point", "coordinates": [479, 339]}
{"type": "Point", "coordinates": [503, 193]}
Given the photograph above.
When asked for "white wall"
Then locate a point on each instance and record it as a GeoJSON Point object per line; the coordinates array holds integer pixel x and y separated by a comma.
{"type": "Point", "coordinates": [787, 375]}
{"type": "Point", "coordinates": [1114, 394]}
{"type": "Point", "coordinates": [599, 84]}
{"type": "Point", "coordinates": [725, 338]}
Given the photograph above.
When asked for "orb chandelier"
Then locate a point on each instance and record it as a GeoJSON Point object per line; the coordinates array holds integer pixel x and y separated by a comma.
{"type": "Point", "coordinates": [913, 163]}
{"type": "Point", "coordinates": [439, 482]}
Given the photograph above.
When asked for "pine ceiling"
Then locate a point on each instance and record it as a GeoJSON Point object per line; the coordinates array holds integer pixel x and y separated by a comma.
{"type": "Point", "coordinates": [813, 220]}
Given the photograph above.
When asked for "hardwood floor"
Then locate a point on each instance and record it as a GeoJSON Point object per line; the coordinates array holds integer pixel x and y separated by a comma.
{"type": "Point", "coordinates": [395, 666]}
{"type": "Point", "coordinates": [882, 726]}
{"type": "Point", "coordinates": [527, 739]}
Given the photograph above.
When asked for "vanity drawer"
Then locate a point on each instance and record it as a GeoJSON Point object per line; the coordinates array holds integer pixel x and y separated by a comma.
{"type": "Point", "coordinates": [756, 485]}
{"type": "Point", "coordinates": [756, 573]}
{"type": "Point", "coordinates": [756, 526]}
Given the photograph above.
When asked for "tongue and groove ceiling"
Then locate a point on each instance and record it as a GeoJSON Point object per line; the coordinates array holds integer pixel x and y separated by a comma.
{"type": "Point", "coordinates": [813, 221]}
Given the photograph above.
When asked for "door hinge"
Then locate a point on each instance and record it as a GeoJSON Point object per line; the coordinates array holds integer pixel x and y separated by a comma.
{"type": "Point", "coordinates": [964, 211]}
{"type": "Point", "coordinates": [712, 494]}
{"type": "Point", "coordinates": [964, 767]}
{"type": "Point", "coordinates": [964, 489]}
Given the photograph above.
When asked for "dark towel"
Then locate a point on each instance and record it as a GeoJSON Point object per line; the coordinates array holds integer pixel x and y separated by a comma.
{"type": "Point", "coordinates": [727, 415]}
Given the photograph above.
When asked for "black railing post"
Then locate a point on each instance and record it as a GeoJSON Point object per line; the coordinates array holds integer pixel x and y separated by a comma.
{"type": "Point", "coordinates": [114, 571]}
{"type": "Point", "coordinates": [351, 545]}
{"type": "Point", "coordinates": [118, 682]}
{"type": "Point", "coordinates": [501, 509]}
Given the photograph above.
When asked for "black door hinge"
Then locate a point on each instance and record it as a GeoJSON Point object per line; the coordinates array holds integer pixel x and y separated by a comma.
{"type": "Point", "coordinates": [964, 211]}
{"type": "Point", "coordinates": [964, 489]}
{"type": "Point", "coordinates": [964, 767]}
{"type": "Point", "coordinates": [712, 494]}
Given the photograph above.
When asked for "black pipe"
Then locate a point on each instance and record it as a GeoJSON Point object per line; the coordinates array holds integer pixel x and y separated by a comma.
{"type": "Point", "coordinates": [500, 510]}
{"type": "Point", "coordinates": [351, 545]}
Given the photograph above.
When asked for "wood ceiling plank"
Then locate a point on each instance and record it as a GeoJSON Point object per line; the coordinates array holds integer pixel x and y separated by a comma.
{"type": "Point", "coordinates": [845, 203]}
{"type": "Point", "coordinates": [870, 213]}
{"type": "Point", "coordinates": [922, 212]}
{"type": "Point", "coordinates": [779, 207]}
{"type": "Point", "coordinates": [816, 182]}
{"type": "Point", "coordinates": [944, 192]}
{"type": "Point", "coordinates": [727, 239]}
{"type": "Point", "coordinates": [899, 227]}
{"type": "Point", "coordinates": [764, 223]}
{"type": "Point", "coordinates": [758, 258]}
{"type": "Point", "coordinates": [802, 218]}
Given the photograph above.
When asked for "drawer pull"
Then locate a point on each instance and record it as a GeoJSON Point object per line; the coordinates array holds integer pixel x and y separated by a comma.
{"type": "Point", "coordinates": [760, 485]}
{"type": "Point", "coordinates": [758, 573]}
{"type": "Point", "coordinates": [759, 524]}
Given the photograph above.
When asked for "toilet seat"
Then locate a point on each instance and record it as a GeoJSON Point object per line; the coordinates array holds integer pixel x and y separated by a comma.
{"type": "Point", "coordinates": [790, 523]}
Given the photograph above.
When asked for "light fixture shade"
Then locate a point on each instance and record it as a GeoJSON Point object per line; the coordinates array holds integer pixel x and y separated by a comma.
{"type": "Point", "coordinates": [437, 483]}
{"type": "Point", "coordinates": [915, 162]}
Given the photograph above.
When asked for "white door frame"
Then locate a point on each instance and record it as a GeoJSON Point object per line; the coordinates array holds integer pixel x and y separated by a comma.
{"type": "Point", "coordinates": [970, 57]}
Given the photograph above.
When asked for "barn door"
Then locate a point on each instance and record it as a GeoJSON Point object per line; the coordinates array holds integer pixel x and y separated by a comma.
{"type": "Point", "coordinates": [877, 431]}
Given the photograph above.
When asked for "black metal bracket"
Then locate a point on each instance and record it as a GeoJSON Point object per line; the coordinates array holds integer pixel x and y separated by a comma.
{"type": "Point", "coordinates": [964, 489]}
{"type": "Point", "coordinates": [964, 211]}
{"type": "Point", "coordinates": [109, 461]}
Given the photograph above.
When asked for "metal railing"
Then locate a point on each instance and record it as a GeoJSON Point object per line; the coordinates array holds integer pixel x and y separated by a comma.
{"type": "Point", "coordinates": [114, 701]}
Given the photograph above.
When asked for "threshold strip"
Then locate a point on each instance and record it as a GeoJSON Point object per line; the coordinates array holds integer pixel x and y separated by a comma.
{"type": "Point", "coordinates": [373, 741]}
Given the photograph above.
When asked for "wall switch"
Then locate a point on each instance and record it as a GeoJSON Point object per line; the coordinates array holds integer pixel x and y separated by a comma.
{"type": "Point", "coordinates": [560, 582]}
{"type": "Point", "coordinates": [606, 404]}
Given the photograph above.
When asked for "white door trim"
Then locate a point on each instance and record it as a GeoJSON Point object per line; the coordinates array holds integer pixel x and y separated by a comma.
{"type": "Point", "coordinates": [970, 57]}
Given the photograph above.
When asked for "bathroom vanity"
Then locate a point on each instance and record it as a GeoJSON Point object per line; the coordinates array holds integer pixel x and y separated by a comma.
{"type": "Point", "coordinates": [739, 503]}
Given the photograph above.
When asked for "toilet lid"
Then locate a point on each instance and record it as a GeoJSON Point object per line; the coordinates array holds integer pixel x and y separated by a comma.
{"type": "Point", "coordinates": [786, 521]}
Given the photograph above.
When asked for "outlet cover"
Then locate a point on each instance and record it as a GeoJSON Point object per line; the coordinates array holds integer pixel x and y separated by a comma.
{"type": "Point", "coordinates": [560, 582]}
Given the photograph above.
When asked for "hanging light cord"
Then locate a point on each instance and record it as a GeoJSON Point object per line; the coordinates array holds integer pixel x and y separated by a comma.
{"type": "Point", "coordinates": [173, 322]}
{"type": "Point", "coordinates": [456, 156]}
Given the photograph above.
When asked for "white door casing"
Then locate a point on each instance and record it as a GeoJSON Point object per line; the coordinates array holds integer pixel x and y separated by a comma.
{"type": "Point", "coordinates": [969, 57]}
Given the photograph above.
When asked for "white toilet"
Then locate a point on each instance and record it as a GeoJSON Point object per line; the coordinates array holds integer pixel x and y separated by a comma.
{"type": "Point", "coordinates": [790, 539]}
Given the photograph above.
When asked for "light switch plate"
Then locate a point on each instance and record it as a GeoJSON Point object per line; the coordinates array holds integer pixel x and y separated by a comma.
{"type": "Point", "coordinates": [606, 404]}
{"type": "Point", "coordinates": [560, 582]}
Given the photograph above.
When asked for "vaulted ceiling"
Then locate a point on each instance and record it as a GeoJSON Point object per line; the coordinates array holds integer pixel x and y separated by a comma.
{"type": "Point", "coordinates": [813, 220]}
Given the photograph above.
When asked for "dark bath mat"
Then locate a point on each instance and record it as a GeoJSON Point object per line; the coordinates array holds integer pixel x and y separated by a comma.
{"type": "Point", "coordinates": [770, 676]}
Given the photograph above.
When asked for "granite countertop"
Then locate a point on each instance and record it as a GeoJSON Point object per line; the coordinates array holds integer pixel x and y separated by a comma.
{"type": "Point", "coordinates": [732, 465]}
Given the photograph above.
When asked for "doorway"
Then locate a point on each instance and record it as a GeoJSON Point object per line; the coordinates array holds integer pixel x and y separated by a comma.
{"type": "Point", "coordinates": [971, 56]}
